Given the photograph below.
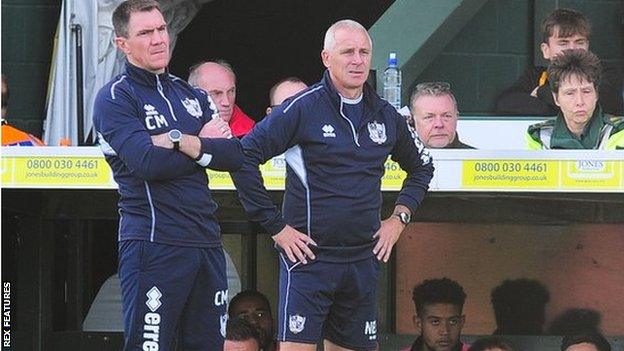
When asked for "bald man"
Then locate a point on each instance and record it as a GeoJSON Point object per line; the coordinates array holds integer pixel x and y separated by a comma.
{"type": "Point", "coordinates": [284, 89]}
{"type": "Point", "coordinates": [219, 80]}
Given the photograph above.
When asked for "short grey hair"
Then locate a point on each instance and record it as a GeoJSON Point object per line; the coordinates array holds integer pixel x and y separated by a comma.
{"type": "Point", "coordinates": [193, 78]}
{"type": "Point", "coordinates": [432, 89]}
{"type": "Point", "coordinates": [330, 35]}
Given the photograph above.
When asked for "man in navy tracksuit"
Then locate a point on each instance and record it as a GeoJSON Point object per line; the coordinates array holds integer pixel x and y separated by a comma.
{"type": "Point", "coordinates": [336, 136]}
{"type": "Point", "coordinates": [158, 134]}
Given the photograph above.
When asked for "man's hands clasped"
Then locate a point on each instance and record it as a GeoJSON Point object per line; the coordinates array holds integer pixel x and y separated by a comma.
{"type": "Point", "coordinates": [216, 128]}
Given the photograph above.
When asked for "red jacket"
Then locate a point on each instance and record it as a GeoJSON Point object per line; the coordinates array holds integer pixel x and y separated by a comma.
{"type": "Point", "coordinates": [240, 123]}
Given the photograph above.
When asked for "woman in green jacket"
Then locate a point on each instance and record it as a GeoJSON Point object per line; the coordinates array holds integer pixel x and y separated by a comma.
{"type": "Point", "coordinates": [574, 78]}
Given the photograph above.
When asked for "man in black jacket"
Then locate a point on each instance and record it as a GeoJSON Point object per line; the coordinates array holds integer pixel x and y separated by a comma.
{"type": "Point", "coordinates": [434, 110]}
{"type": "Point", "coordinates": [563, 29]}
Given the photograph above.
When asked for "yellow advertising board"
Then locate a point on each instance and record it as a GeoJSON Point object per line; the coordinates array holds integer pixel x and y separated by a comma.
{"type": "Point", "coordinates": [594, 174]}
{"type": "Point", "coordinates": [464, 170]}
{"type": "Point", "coordinates": [563, 175]}
{"type": "Point", "coordinates": [61, 172]}
{"type": "Point", "coordinates": [511, 174]}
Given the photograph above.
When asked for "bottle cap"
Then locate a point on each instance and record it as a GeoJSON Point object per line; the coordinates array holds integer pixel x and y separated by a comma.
{"type": "Point", "coordinates": [392, 59]}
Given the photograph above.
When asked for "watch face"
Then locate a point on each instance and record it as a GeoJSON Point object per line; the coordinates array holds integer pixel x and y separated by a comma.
{"type": "Point", "coordinates": [175, 135]}
{"type": "Point", "coordinates": [405, 217]}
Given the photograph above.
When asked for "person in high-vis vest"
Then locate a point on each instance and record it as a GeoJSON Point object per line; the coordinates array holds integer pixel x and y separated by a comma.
{"type": "Point", "coordinates": [11, 136]}
{"type": "Point", "coordinates": [574, 78]}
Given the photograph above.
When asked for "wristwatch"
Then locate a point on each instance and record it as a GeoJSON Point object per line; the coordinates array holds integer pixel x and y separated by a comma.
{"type": "Point", "coordinates": [175, 136]}
{"type": "Point", "coordinates": [404, 217]}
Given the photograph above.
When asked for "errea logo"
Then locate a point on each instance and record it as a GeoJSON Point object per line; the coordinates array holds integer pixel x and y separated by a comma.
{"type": "Point", "coordinates": [328, 131]}
{"type": "Point", "coordinates": [153, 299]}
{"type": "Point", "coordinates": [151, 326]}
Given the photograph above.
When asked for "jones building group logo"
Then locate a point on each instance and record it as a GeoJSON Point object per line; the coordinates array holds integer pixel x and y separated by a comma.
{"type": "Point", "coordinates": [296, 323]}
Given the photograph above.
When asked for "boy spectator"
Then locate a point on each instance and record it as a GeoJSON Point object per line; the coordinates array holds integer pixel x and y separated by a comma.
{"type": "Point", "coordinates": [563, 29]}
{"type": "Point", "coordinates": [439, 304]}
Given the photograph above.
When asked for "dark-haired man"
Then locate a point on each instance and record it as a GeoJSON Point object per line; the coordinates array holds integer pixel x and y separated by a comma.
{"type": "Point", "coordinates": [158, 135]}
{"type": "Point", "coordinates": [255, 307]}
{"type": "Point", "coordinates": [491, 343]}
{"type": "Point", "coordinates": [564, 29]}
{"type": "Point", "coordinates": [241, 335]}
{"type": "Point", "coordinates": [585, 342]}
{"type": "Point", "coordinates": [439, 304]}
{"type": "Point", "coordinates": [519, 307]}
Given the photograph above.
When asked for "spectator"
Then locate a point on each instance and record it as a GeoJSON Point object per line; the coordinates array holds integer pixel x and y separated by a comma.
{"type": "Point", "coordinates": [585, 342]}
{"type": "Point", "coordinates": [519, 307]}
{"type": "Point", "coordinates": [563, 29]}
{"type": "Point", "coordinates": [284, 89]}
{"type": "Point", "coordinates": [439, 304]}
{"type": "Point", "coordinates": [241, 335]}
{"type": "Point", "coordinates": [491, 343]}
{"type": "Point", "coordinates": [434, 110]}
{"type": "Point", "coordinates": [581, 124]}
{"type": "Point", "coordinates": [12, 136]}
{"type": "Point", "coordinates": [219, 80]}
{"type": "Point", "coordinates": [254, 307]}
{"type": "Point", "coordinates": [575, 321]}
